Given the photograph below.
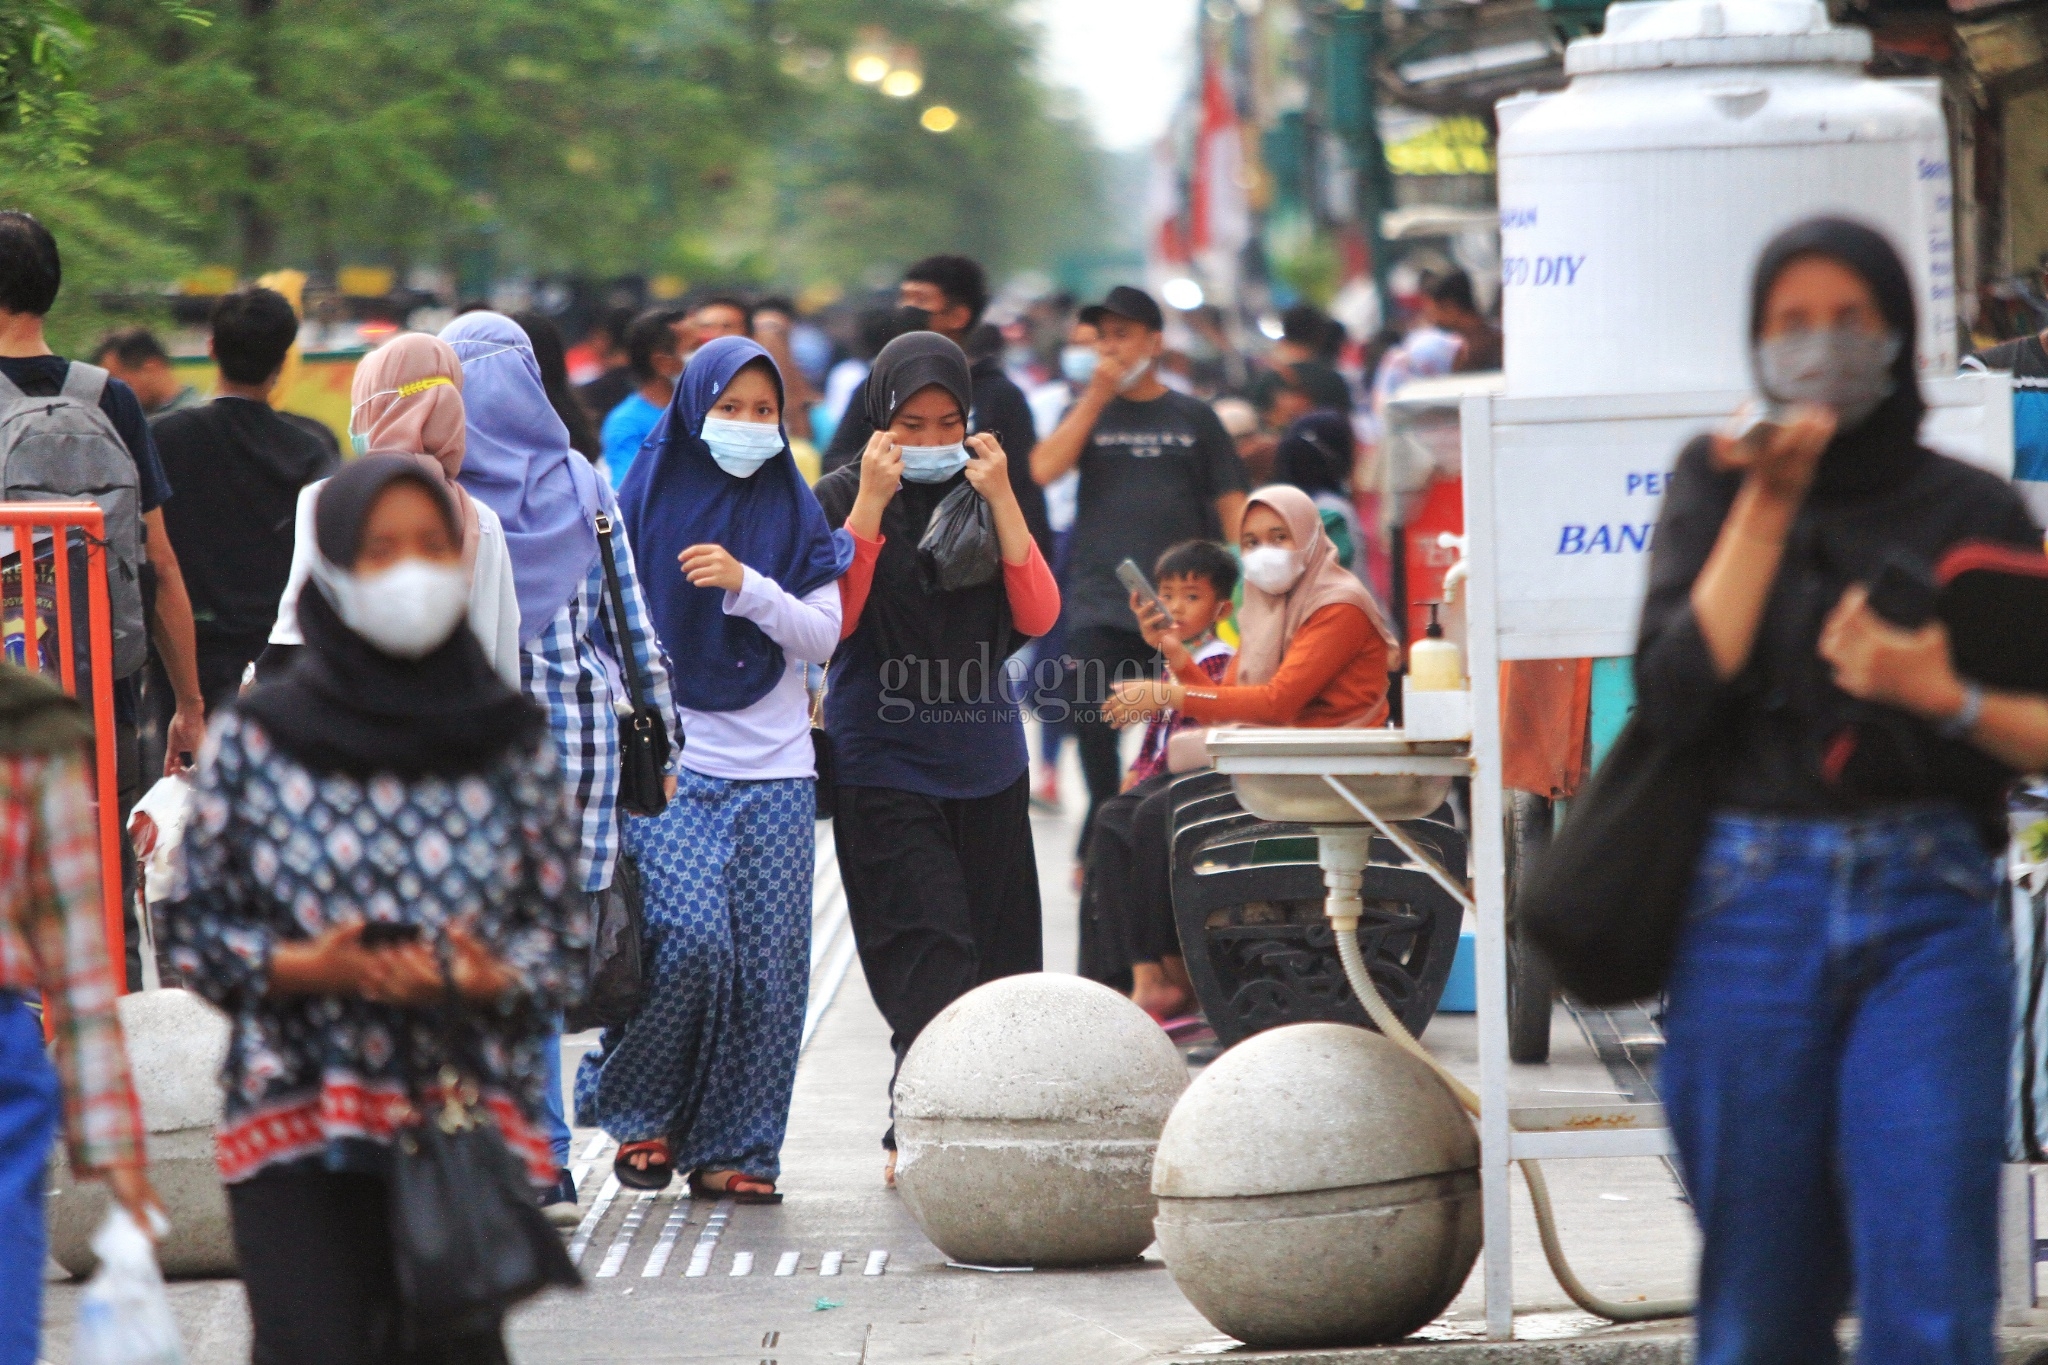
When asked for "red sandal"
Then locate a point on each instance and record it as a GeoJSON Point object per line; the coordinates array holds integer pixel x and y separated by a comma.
{"type": "Point", "coordinates": [702, 1188]}
{"type": "Point", "coordinates": [658, 1172]}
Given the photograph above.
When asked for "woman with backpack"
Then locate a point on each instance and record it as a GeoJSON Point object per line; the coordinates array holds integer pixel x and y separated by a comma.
{"type": "Point", "coordinates": [373, 832]}
{"type": "Point", "coordinates": [561, 528]}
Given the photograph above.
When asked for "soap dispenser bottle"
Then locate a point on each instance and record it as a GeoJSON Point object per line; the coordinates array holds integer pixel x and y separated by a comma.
{"type": "Point", "coordinates": [1434, 664]}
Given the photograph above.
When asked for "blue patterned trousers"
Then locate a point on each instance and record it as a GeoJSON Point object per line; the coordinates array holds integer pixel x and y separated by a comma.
{"type": "Point", "coordinates": [709, 1061]}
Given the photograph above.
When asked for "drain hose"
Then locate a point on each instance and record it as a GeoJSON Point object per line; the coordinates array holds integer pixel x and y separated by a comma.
{"type": "Point", "coordinates": [1391, 1026]}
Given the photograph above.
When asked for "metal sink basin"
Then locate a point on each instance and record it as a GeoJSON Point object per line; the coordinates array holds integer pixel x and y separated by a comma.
{"type": "Point", "coordinates": [1281, 774]}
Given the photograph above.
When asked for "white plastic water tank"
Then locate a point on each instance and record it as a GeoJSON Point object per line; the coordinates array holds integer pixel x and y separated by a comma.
{"type": "Point", "coordinates": [1634, 202]}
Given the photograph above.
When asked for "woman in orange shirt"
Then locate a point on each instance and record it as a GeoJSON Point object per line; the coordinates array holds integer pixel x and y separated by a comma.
{"type": "Point", "coordinates": [1315, 651]}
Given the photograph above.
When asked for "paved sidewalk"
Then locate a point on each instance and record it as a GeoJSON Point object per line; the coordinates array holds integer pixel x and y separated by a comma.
{"type": "Point", "coordinates": [839, 1272]}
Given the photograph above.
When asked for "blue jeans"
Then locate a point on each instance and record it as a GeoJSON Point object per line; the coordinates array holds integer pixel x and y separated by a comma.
{"type": "Point", "coordinates": [28, 1118]}
{"type": "Point", "coordinates": [1836, 1081]}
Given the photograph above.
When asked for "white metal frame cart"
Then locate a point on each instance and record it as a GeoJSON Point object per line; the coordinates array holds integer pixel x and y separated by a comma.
{"type": "Point", "coordinates": [1560, 498]}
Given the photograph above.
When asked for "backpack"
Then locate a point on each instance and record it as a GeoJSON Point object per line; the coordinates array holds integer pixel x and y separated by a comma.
{"type": "Point", "coordinates": [63, 448]}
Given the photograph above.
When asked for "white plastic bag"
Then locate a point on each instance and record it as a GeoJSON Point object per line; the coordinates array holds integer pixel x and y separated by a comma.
{"type": "Point", "coordinates": [124, 1317]}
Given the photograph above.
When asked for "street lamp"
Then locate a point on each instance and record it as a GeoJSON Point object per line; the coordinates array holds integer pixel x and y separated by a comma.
{"type": "Point", "coordinates": [906, 77]}
{"type": "Point", "coordinates": [868, 60]}
{"type": "Point", "coordinates": [938, 118]}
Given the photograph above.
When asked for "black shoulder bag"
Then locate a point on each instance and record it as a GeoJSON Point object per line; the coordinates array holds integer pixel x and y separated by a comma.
{"type": "Point", "coordinates": [1605, 902]}
{"type": "Point", "coordinates": [643, 734]}
{"type": "Point", "coordinates": [469, 1241]}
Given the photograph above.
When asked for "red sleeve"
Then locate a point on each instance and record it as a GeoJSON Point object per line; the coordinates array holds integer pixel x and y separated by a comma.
{"type": "Point", "coordinates": [1326, 643]}
{"type": "Point", "coordinates": [1034, 595]}
{"type": "Point", "coordinates": [855, 582]}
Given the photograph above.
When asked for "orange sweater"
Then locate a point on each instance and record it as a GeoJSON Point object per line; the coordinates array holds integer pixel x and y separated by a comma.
{"type": "Point", "coordinates": [1335, 666]}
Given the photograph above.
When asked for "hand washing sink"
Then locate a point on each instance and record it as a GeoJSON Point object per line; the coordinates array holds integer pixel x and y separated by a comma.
{"type": "Point", "coordinates": [1281, 774]}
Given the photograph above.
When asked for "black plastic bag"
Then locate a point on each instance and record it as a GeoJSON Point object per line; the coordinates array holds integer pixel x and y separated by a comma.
{"type": "Point", "coordinates": [959, 548]}
{"type": "Point", "coordinates": [612, 995]}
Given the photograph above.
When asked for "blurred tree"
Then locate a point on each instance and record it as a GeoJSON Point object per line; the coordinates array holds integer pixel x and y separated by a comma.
{"type": "Point", "coordinates": [111, 228]}
{"type": "Point", "coordinates": [704, 138]}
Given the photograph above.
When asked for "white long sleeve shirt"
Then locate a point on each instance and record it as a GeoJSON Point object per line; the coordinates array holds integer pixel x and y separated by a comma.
{"type": "Point", "coordinates": [772, 737]}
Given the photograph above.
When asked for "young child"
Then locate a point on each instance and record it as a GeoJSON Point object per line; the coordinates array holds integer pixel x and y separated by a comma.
{"type": "Point", "coordinates": [1195, 580]}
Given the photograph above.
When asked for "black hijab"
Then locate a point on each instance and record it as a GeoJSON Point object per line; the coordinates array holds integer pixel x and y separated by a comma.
{"type": "Point", "coordinates": [1316, 453]}
{"type": "Point", "coordinates": [905, 615]}
{"type": "Point", "coordinates": [345, 706]}
{"type": "Point", "coordinates": [1884, 450]}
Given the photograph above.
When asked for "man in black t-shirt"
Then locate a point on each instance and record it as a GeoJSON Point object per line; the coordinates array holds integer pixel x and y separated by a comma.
{"type": "Point", "coordinates": [239, 465]}
{"type": "Point", "coordinates": [1157, 468]}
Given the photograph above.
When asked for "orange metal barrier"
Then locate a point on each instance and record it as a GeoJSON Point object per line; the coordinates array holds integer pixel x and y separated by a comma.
{"type": "Point", "coordinates": [40, 647]}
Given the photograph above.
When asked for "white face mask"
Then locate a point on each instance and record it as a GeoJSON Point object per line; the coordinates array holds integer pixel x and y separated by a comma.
{"type": "Point", "coordinates": [1135, 377]}
{"type": "Point", "coordinates": [1077, 363]}
{"type": "Point", "coordinates": [408, 610]}
{"type": "Point", "coordinates": [740, 448]}
{"type": "Point", "coordinates": [1272, 569]}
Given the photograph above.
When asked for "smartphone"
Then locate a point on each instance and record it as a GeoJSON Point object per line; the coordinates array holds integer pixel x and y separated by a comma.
{"type": "Point", "coordinates": [1133, 578]}
{"type": "Point", "coordinates": [380, 935]}
{"type": "Point", "coordinates": [1904, 592]}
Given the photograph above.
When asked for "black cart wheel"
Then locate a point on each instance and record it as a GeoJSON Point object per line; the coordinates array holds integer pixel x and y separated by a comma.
{"type": "Point", "coordinates": [1532, 989]}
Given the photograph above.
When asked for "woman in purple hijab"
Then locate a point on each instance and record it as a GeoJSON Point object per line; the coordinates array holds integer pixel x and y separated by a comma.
{"type": "Point", "coordinates": [552, 504]}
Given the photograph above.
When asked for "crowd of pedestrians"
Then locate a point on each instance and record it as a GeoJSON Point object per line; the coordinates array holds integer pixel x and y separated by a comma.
{"type": "Point", "coordinates": [411, 685]}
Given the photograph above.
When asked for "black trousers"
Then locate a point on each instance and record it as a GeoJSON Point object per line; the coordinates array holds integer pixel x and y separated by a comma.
{"type": "Point", "coordinates": [1127, 897]}
{"type": "Point", "coordinates": [942, 895]}
{"type": "Point", "coordinates": [1103, 656]}
{"type": "Point", "coordinates": [315, 1247]}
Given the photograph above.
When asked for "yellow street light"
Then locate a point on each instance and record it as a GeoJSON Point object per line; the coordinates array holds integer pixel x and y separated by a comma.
{"type": "Point", "coordinates": [867, 61]}
{"type": "Point", "coordinates": [939, 119]}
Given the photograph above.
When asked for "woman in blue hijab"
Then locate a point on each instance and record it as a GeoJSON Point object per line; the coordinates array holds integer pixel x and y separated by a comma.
{"type": "Point", "coordinates": [517, 462]}
{"type": "Point", "coordinates": [742, 579]}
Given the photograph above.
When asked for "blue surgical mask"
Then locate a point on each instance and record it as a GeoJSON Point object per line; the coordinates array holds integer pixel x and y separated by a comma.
{"type": "Point", "coordinates": [741, 448]}
{"type": "Point", "coordinates": [1078, 363]}
{"type": "Point", "coordinates": [359, 442]}
{"type": "Point", "coordinates": [933, 464]}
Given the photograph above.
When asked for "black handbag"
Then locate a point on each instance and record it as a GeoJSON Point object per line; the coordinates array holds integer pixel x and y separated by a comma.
{"type": "Point", "coordinates": [468, 1239]}
{"type": "Point", "coordinates": [1605, 901]}
{"type": "Point", "coordinates": [616, 982]}
{"type": "Point", "coordinates": [643, 734]}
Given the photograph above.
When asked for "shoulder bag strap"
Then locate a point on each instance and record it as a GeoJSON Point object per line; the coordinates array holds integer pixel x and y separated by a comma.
{"type": "Point", "coordinates": [84, 383]}
{"type": "Point", "coordinates": [629, 658]}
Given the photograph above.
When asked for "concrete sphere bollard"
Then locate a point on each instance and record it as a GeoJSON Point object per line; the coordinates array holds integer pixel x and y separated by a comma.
{"type": "Point", "coordinates": [1318, 1186]}
{"type": "Point", "coordinates": [1026, 1118]}
{"type": "Point", "coordinates": [176, 1043]}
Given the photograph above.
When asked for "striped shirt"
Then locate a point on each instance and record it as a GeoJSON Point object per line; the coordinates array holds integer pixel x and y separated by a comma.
{"type": "Point", "coordinates": [572, 669]}
{"type": "Point", "coordinates": [53, 941]}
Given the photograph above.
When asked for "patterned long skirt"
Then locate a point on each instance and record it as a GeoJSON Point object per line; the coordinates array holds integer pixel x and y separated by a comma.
{"type": "Point", "coordinates": [709, 1061]}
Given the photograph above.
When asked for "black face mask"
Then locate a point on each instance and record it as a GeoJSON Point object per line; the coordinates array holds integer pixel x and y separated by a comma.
{"type": "Point", "coordinates": [907, 319]}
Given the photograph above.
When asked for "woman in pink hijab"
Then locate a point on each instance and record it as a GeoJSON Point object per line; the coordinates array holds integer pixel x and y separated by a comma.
{"type": "Point", "coordinates": [406, 399]}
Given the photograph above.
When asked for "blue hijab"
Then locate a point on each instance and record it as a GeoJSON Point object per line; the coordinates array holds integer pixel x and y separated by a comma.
{"type": "Point", "coordinates": [676, 496]}
{"type": "Point", "coordinates": [519, 464]}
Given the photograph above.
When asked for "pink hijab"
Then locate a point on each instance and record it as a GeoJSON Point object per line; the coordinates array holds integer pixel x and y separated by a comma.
{"type": "Point", "coordinates": [1268, 622]}
{"type": "Point", "coordinates": [407, 400]}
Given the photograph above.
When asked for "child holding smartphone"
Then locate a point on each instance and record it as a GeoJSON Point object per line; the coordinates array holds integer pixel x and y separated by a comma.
{"type": "Point", "coordinates": [1196, 580]}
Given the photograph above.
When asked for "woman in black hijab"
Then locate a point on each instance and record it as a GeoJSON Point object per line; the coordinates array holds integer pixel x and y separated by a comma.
{"type": "Point", "coordinates": [1840, 1004]}
{"type": "Point", "coordinates": [933, 787]}
{"type": "Point", "coordinates": [384, 820]}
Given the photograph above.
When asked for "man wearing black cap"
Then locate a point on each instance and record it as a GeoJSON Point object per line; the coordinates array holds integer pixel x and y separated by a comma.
{"type": "Point", "coordinates": [1157, 468]}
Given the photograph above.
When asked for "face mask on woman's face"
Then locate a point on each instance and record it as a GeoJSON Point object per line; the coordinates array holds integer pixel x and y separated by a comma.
{"type": "Point", "coordinates": [1272, 569]}
{"type": "Point", "coordinates": [1077, 363]}
{"type": "Point", "coordinates": [933, 464]}
{"type": "Point", "coordinates": [408, 610]}
{"type": "Point", "coordinates": [740, 448]}
{"type": "Point", "coordinates": [1844, 368]}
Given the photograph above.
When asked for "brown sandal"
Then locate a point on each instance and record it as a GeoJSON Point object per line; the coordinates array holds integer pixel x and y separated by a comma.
{"type": "Point", "coordinates": [763, 1193]}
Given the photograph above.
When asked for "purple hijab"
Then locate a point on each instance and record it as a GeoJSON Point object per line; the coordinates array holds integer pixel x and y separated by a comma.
{"type": "Point", "coordinates": [519, 464]}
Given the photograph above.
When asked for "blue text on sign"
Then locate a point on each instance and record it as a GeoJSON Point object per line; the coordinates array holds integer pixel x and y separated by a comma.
{"type": "Point", "coordinates": [1540, 270]}
{"type": "Point", "coordinates": [1620, 539]}
{"type": "Point", "coordinates": [1650, 484]}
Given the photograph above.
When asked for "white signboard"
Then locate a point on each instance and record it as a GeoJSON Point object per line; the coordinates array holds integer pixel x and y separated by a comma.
{"type": "Point", "coordinates": [1576, 485]}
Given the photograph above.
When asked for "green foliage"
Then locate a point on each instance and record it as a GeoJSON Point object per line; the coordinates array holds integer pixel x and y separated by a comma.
{"type": "Point", "coordinates": [598, 136]}
{"type": "Point", "coordinates": [111, 226]}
